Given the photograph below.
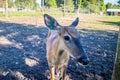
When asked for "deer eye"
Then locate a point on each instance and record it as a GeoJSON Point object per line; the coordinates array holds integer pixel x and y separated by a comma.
{"type": "Point", "coordinates": [67, 38]}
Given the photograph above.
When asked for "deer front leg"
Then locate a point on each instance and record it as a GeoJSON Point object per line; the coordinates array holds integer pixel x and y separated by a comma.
{"type": "Point", "coordinates": [52, 73]}
{"type": "Point", "coordinates": [63, 72]}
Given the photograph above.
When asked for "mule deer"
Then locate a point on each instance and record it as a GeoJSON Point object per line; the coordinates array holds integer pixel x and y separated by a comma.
{"type": "Point", "coordinates": [62, 42]}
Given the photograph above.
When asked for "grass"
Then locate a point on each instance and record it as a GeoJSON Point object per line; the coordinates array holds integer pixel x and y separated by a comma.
{"type": "Point", "coordinates": [112, 20]}
{"type": "Point", "coordinates": [38, 13]}
{"type": "Point", "coordinates": [87, 21]}
{"type": "Point", "coordinates": [99, 22]}
{"type": "Point", "coordinates": [11, 14]}
{"type": "Point", "coordinates": [2, 15]}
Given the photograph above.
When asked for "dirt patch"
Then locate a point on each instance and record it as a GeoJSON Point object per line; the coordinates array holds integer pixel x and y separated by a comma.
{"type": "Point", "coordinates": [23, 53]}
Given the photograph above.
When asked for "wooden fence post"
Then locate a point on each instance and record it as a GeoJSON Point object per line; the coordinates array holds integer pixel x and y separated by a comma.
{"type": "Point", "coordinates": [116, 71]}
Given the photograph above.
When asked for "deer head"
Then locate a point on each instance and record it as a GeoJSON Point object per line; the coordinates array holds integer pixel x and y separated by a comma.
{"type": "Point", "coordinates": [70, 38]}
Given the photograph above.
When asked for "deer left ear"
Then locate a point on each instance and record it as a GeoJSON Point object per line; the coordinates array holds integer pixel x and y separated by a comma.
{"type": "Point", "coordinates": [75, 22]}
{"type": "Point", "coordinates": [50, 22]}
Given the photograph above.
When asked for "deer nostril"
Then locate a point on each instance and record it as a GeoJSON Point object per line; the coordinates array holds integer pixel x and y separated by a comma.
{"type": "Point", "coordinates": [85, 61]}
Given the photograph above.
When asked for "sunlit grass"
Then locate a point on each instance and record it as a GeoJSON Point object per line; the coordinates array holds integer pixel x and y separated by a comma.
{"type": "Point", "coordinates": [87, 21]}
{"type": "Point", "coordinates": [99, 22]}
{"type": "Point", "coordinates": [36, 13]}
{"type": "Point", "coordinates": [2, 15]}
{"type": "Point", "coordinates": [11, 14]}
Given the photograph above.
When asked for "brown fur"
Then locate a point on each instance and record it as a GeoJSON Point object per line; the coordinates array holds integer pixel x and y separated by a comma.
{"type": "Point", "coordinates": [62, 42]}
{"type": "Point", "coordinates": [56, 56]}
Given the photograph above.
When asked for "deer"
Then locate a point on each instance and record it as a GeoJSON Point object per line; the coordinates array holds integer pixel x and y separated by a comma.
{"type": "Point", "coordinates": [63, 42]}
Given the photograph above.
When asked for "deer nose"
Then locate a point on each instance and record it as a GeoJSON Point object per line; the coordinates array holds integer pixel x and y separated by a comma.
{"type": "Point", "coordinates": [83, 61]}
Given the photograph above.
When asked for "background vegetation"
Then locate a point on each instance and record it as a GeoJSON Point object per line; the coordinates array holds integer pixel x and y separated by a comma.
{"type": "Point", "coordinates": [69, 6]}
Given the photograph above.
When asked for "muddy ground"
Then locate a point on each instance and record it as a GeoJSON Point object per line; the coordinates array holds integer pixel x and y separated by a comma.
{"type": "Point", "coordinates": [23, 53]}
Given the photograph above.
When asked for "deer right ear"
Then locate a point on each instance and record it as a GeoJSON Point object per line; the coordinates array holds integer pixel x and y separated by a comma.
{"type": "Point", "coordinates": [50, 22]}
{"type": "Point", "coordinates": [75, 22]}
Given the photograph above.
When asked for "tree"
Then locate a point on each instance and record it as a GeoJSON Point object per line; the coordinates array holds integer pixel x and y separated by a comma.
{"type": "Point", "coordinates": [5, 5]}
{"type": "Point", "coordinates": [93, 1]}
{"type": "Point", "coordinates": [51, 3]}
{"type": "Point", "coordinates": [1, 3]}
{"type": "Point", "coordinates": [69, 5]}
{"type": "Point", "coordinates": [10, 3]}
{"type": "Point", "coordinates": [79, 5]}
{"type": "Point", "coordinates": [60, 3]}
{"type": "Point", "coordinates": [84, 4]}
{"type": "Point", "coordinates": [118, 2]}
{"type": "Point", "coordinates": [26, 3]}
{"type": "Point", "coordinates": [93, 6]}
{"type": "Point", "coordinates": [108, 5]}
{"type": "Point", "coordinates": [115, 6]}
{"type": "Point", "coordinates": [102, 6]}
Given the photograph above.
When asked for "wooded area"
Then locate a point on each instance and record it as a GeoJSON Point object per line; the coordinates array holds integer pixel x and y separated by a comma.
{"type": "Point", "coordinates": [94, 6]}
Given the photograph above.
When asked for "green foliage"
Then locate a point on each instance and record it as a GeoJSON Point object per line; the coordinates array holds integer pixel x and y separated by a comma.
{"type": "Point", "coordinates": [51, 3]}
{"type": "Point", "coordinates": [22, 14]}
{"type": "Point", "coordinates": [69, 4]}
{"type": "Point", "coordinates": [108, 5]}
{"type": "Point", "coordinates": [26, 4]}
{"type": "Point", "coordinates": [118, 2]}
{"type": "Point", "coordinates": [93, 1]}
{"type": "Point", "coordinates": [79, 4]}
{"type": "Point", "coordinates": [1, 3]}
{"type": "Point", "coordinates": [60, 3]}
{"type": "Point", "coordinates": [20, 3]}
{"type": "Point", "coordinates": [94, 6]}
{"type": "Point", "coordinates": [116, 6]}
{"type": "Point", "coordinates": [10, 3]}
{"type": "Point", "coordinates": [84, 4]}
{"type": "Point", "coordinates": [97, 6]}
{"type": "Point", "coordinates": [102, 6]}
{"type": "Point", "coordinates": [2, 15]}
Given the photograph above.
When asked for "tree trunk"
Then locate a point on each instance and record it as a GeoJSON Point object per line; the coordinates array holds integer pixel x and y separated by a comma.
{"type": "Point", "coordinates": [5, 2]}
{"type": "Point", "coordinates": [116, 72]}
{"type": "Point", "coordinates": [64, 9]}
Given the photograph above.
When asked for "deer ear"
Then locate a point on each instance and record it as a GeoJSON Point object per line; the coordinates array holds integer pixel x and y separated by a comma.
{"type": "Point", "coordinates": [50, 22]}
{"type": "Point", "coordinates": [75, 22]}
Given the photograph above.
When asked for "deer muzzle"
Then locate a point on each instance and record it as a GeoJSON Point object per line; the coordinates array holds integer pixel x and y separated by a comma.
{"type": "Point", "coordinates": [83, 60]}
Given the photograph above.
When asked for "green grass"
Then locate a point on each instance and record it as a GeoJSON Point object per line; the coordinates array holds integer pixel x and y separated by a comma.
{"type": "Point", "coordinates": [99, 22]}
{"type": "Point", "coordinates": [11, 14]}
{"type": "Point", "coordinates": [88, 21]}
{"type": "Point", "coordinates": [2, 15]}
{"type": "Point", "coordinates": [55, 13]}
{"type": "Point", "coordinates": [112, 20]}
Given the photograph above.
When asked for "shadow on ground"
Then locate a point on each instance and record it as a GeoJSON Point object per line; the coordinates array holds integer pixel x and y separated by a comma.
{"type": "Point", "coordinates": [111, 23]}
{"type": "Point", "coordinates": [23, 53]}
